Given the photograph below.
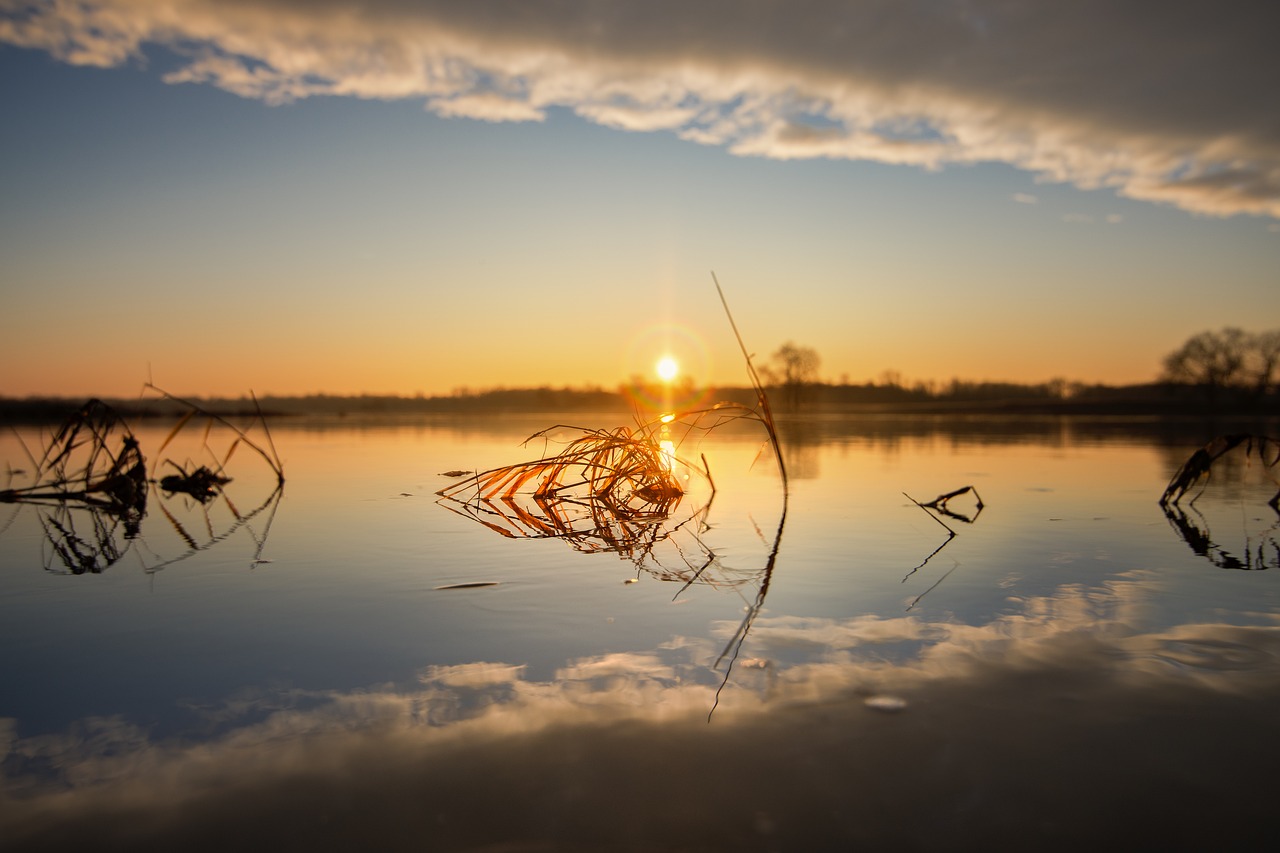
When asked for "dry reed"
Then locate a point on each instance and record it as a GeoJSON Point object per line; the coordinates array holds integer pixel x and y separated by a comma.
{"type": "Point", "coordinates": [617, 490]}
{"type": "Point", "coordinates": [1198, 468]}
{"type": "Point", "coordinates": [91, 486]}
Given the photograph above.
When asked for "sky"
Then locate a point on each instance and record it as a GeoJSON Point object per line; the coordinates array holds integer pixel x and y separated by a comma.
{"type": "Point", "coordinates": [407, 197]}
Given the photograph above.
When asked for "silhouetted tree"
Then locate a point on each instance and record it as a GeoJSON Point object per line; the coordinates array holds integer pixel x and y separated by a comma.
{"type": "Point", "coordinates": [1264, 361]}
{"type": "Point", "coordinates": [791, 368]}
{"type": "Point", "coordinates": [1230, 358]}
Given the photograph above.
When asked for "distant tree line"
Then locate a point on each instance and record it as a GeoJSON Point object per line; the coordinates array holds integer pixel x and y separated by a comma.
{"type": "Point", "coordinates": [791, 373]}
{"type": "Point", "coordinates": [1213, 370]}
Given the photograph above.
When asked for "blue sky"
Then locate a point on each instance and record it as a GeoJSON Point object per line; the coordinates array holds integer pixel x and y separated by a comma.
{"type": "Point", "coordinates": [295, 198]}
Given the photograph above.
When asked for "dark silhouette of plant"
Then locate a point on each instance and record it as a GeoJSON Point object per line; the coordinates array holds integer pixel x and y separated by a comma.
{"type": "Point", "coordinates": [93, 459]}
{"type": "Point", "coordinates": [1260, 551]}
{"type": "Point", "coordinates": [92, 489]}
{"type": "Point", "coordinates": [1199, 466]}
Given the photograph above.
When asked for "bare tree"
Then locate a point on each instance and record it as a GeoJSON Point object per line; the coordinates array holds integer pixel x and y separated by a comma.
{"type": "Point", "coordinates": [1230, 358]}
{"type": "Point", "coordinates": [793, 367]}
{"type": "Point", "coordinates": [1264, 361]}
{"type": "Point", "coordinates": [1213, 360]}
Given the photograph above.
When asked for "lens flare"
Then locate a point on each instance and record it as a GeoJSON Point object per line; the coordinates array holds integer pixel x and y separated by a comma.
{"type": "Point", "coordinates": [648, 387]}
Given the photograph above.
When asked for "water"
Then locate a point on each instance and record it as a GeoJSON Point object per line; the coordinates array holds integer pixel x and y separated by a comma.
{"type": "Point", "coordinates": [1065, 663]}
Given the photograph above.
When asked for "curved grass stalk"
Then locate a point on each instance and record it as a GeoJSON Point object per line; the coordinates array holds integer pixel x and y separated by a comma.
{"type": "Point", "coordinates": [270, 456]}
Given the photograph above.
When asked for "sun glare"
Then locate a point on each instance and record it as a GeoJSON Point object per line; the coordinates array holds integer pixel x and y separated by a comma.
{"type": "Point", "coordinates": [667, 368]}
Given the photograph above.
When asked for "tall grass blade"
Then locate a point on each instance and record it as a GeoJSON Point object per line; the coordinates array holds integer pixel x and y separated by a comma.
{"type": "Point", "coordinates": [177, 428]}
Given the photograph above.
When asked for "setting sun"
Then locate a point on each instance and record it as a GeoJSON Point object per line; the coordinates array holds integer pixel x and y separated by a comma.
{"type": "Point", "coordinates": [667, 368]}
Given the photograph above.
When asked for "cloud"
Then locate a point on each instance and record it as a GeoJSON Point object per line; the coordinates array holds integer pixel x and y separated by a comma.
{"type": "Point", "coordinates": [485, 106]}
{"type": "Point", "coordinates": [1025, 198]}
{"type": "Point", "coordinates": [1173, 108]}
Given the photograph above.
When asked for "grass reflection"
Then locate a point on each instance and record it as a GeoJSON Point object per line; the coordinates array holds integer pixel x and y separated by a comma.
{"type": "Point", "coordinates": [1260, 550]}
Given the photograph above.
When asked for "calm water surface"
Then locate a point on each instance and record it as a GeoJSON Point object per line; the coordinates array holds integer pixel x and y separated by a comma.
{"type": "Point", "coordinates": [1064, 665]}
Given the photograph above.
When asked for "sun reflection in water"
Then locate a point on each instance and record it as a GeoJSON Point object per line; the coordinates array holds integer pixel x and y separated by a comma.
{"type": "Point", "coordinates": [666, 443]}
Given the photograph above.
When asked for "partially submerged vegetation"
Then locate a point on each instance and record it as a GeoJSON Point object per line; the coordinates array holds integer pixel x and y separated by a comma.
{"type": "Point", "coordinates": [607, 490]}
{"type": "Point", "coordinates": [94, 459]}
{"type": "Point", "coordinates": [623, 491]}
{"type": "Point", "coordinates": [626, 470]}
{"type": "Point", "coordinates": [1260, 550]}
{"type": "Point", "coordinates": [92, 485]}
{"type": "Point", "coordinates": [1198, 468]}
{"type": "Point", "coordinates": [618, 491]}
{"type": "Point", "coordinates": [615, 490]}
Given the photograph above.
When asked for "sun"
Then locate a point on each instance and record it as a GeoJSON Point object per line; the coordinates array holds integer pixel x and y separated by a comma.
{"type": "Point", "coordinates": [667, 368]}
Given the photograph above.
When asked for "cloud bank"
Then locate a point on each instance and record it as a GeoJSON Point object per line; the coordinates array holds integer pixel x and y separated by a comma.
{"type": "Point", "coordinates": [1172, 104]}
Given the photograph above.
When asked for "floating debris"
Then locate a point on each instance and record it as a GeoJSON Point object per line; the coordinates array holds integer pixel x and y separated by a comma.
{"type": "Point", "coordinates": [469, 585]}
{"type": "Point", "coordinates": [934, 509]}
{"type": "Point", "coordinates": [202, 484]}
{"type": "Point", "coordinates": [939, 504]}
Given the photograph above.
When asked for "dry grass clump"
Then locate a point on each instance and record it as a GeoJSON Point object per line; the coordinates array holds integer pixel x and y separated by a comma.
{"type": "Point", "coordinates": [618, 490]}
{"type": "Point", "coordinates": [607, 491]}
{"type": "Point", "coordinates": [94, 458]}
{"type": "Point", "coordinates": [626, 471]}
{"type": "Point", "coordinates": [91, 486]}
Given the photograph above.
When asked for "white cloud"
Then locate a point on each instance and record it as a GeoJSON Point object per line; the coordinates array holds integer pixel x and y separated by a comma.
{"type": "Point", "coordinates": [1174, 108]}
{"type": "Point", "coordinates": [485, 106]}
{"type": "Point", "coordinates": [1025, 198]}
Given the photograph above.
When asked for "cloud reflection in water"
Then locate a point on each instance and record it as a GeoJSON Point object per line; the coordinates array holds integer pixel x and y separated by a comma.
{"type": "Point", "coordinates": [1053, 725]}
